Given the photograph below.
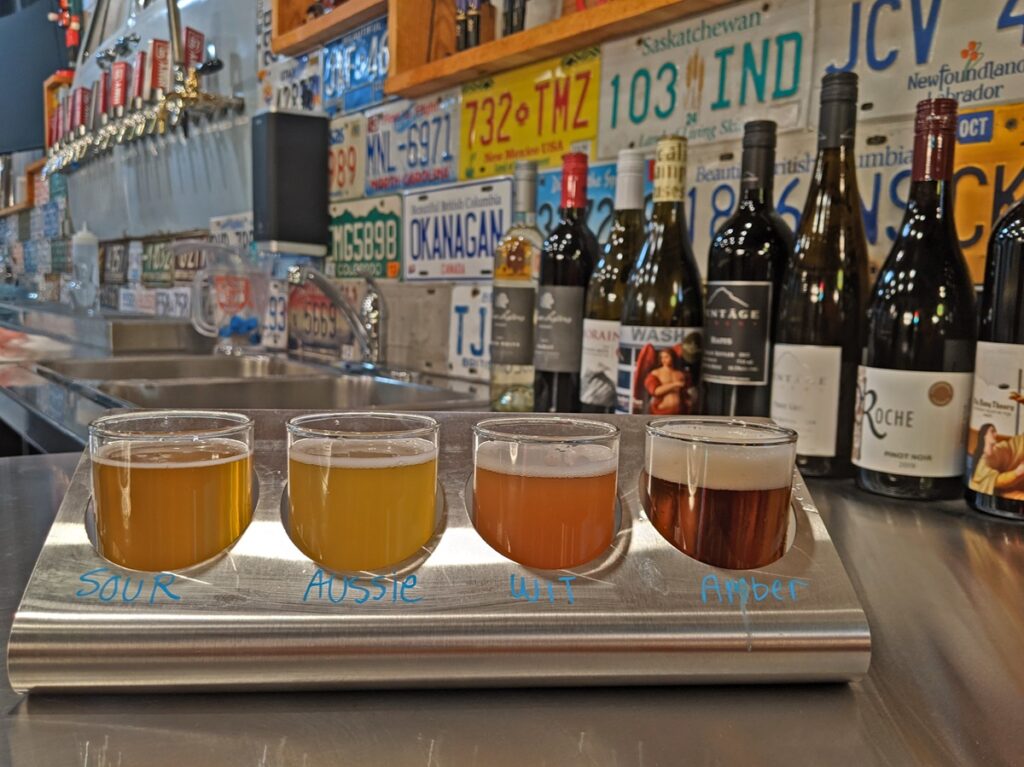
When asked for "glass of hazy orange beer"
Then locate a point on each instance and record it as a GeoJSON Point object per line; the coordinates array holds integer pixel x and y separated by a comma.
{"type": "Point", "coordinates": [171, 488]}
{"type": "Point", "coordinates": [361, 487]}
{"type": "Point", "coordinates": [720, 490]}
{"type": "Point", "coordinates": [544, 489]}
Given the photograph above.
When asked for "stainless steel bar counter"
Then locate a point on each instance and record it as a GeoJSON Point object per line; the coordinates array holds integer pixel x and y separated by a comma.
{"type": "Point", "coordinates": [943, 589]}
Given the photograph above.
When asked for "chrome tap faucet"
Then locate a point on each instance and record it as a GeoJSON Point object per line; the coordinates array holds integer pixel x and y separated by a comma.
{"type": "Point", "coordinates": [367, 322]}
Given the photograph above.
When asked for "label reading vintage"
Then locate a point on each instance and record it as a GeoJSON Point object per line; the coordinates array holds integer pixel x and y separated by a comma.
{"type": "Point", "coordinates": [995, 440]}
{"type": "Point", "coordinates": [599, 367]}
{"type": "Point", "coordinates": [659, 370]}
{"type": "Point", "coordinates": [512, 325]}
{"type": "Point", "coordinates": [559, 329]}
{"type": "Point", "coordinates": [737, 320]}
{"type": "Point", "coordinates": [805, 395]}
{"type": "Point", "coordinates": [911, 421]}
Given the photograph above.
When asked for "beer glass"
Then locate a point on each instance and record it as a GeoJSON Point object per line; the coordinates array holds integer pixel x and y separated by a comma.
{"type": "Point", "coordinates": [544, 488]}
{"type": "Point", "coordinates": [171, 488]}
{"type": "Point", "coordinates": [361, 487]}
{"type": "Point", "coordinates": [719, 490]}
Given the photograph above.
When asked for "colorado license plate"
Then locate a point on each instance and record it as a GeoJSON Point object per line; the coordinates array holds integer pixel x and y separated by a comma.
{"type": "Point", "coordinates": [366, 238]}
{"type": "Point", "coordinates": [451, 233]}
{"type": "Point", "coordinates": [413, 143]}
{"type": "Point", "coordinates": [538, 112]}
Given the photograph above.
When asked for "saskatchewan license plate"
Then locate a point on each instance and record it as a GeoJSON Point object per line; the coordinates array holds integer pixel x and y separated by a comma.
{"type": "Point", "coordinates": [413, 143]}
{"type": "Point", "coordinates": [366, 238]}
{"type": "Point", "coordinates": [538, 112]}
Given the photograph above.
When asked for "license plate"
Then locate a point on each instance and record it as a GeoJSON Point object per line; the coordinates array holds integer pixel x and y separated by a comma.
{"type": "Point", "coordinates": [366, 238]}
{"type": "Point", "coordinates": [232, 230]}
{"type": "Point", "coordinates": [412, 144]}
{"type": "Point", "coordinates": [707, 75]}
{"type": "Point", "coordinates": [187, 263]}
{"type": "Point", "coordinates": [157, 265]}
{"type": "Point", "coordinates": [315, 323]}
{"type": "Point", "coordinates": [172, 302]}
{"type": "Point", "coordinates": [909, 51]}
{"type": "Point", "coordinates": [600, 199]}
{"type": "Point", "coordinates": [469, 332]}
{"type": "Point", "coordinates": [989, 176]}
{"type": "Point", "coordinates": [115, 263]}
{"type": "Point", "coordinates": [538, 112]}
{"type": "Point", "coordinates": [275, 320]}
{"type": "Point", "coordinates": [296, 83]}
{"type": "Point", "coordinates": [452, 233]}
{"type": "Point", "coordinates": [346, 158]}
{"type": "Point", "coordinates": [355, 68]}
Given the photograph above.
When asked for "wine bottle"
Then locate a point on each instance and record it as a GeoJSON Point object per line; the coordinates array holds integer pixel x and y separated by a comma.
{"type": "Point", "coordinates": [995, 442]}
{"type": "Point", "coordinates": [745, 264]}
{"type": "Point", "coordinates": [660, 342]}
{"type": "Point", "coordinates": [823, 297]}
{"type": "Point", "coordinates": [513, 300]}
{"type": "Point", "coordinates": [607, 289]}
{"type": "Point", "coordinates": [567, 259]}
{"type": "Point", "coordinates": [914, 383]}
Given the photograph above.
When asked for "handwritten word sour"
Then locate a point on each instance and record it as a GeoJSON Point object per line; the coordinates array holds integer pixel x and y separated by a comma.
{"type": "Point", "coordinates": [336, 589]}
{"type": "Point", "coordinates": [128, 587]}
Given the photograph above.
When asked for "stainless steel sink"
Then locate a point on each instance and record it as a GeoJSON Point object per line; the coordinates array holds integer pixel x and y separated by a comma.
{"type": "Point", "coordinates": [292, 393]}
{"type": "Point", "coordinates": [164, 367]}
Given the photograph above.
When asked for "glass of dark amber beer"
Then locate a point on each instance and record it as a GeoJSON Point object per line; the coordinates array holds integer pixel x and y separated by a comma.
{"type": "Point", "coordinates": [544, 488]}
{"type": "Point", "coordinates": [171, 488]}
{"type": "Point", "coordinates": [719, 490]}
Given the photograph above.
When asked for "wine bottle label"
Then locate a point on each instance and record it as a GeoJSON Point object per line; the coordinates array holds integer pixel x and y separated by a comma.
{"type": "Point", "coordinates": [995, 440]}
{"type": "Point", "coordinates": [670, 170]}
{"type": "Point", "coordinates": [805, 395]}
{"type": "Point", "coordinates": [911, 422]}
{"type": "Point", "coordinates": [659, 370]}
{"type": "Point", "coordinates": [512, 325]}
{"type": "Point", "coordinates": [737, 320]}
{"type": "Point", "coordinates": [599, 368]}
{"type": "Point", "coordinates": [559, 329]}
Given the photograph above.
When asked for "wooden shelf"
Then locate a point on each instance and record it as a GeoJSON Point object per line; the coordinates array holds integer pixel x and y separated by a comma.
{"type": "Point", "coordinates": [292, 35]}
{"type": "Point", "coordinates": [11, 210]}
{"type": "Point", "coordinates": [51, 85]}
{"type": "Point", "coordinates": [571, 32]}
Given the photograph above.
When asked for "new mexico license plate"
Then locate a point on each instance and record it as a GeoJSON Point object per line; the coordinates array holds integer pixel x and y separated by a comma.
{"type": "Point", "coordinates": [366, 238]}
{"type": "Point", "coordinates": [538, 112]}
{"type": "Point", "coordinates": [451, 233]}
{"type": "Point", "coordinates": [412, 144]}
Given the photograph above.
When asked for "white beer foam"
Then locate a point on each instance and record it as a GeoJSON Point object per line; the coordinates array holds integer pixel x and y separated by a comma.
{"type": "Point", "coordinates": [137, 454]}
{"type": "Point", "coordinates": [540, 460]}
{"type": "Point", "coordinates": [363, 453]}
{"type": "Point", "coordinates": [737, 466]}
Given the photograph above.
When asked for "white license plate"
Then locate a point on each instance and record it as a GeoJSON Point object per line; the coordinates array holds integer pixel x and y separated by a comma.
{"type": "Point", "coordinates": [452, 232]}
{"type": "Point", "coordinates": [413, 143]}
{"type": "Point", "coordinates": [707, 75]}
{"type": "Point", "coordinates": [296, 83]}
{"type": "Point", "coordinates": [346, 158]}
{"type": "Point", "coordinates": [469, 332]}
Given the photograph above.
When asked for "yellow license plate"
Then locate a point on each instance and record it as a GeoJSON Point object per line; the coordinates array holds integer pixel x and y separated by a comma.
{"type": "Point", "coordinates": [537, 113]}
{"type": "Point", "coordinates": [989, 175]}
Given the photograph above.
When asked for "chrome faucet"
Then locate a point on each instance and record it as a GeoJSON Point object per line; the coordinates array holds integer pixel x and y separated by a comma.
{"type": "Point", "coordinates": [368, 322]}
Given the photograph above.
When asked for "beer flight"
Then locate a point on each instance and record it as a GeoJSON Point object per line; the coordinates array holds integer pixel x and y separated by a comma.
{"type": "Point", "coordinates": [173, 489]}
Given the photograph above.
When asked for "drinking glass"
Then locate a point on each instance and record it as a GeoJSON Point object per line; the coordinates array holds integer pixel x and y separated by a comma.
{"type": "Point", "coordinates": [171, 488]}
{"type": "Point", "coordinates": [361, 487]}
{"type": "Point", "coordinates": [719, 490]}
{"type": "Point", "coordinates": [544, 488]}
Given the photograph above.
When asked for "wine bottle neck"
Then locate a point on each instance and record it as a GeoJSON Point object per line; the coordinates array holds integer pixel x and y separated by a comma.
{"type": "Point", "coordinates": [932, 200]}
{"type": "Point", "coordinates": [669, 212]}
{"type": "Point", "coordinates": [757, 175]}
{"type": "Point", "coordinates": [837, 124]}
{"type": "Point", "coordinates": [835, 168]}
{"type": "Point", "coordinates": [574, 214]}
{"type": "Point", "coordinates": [629, 219]}
{"type": "Point", "coordinates": [524, 218]}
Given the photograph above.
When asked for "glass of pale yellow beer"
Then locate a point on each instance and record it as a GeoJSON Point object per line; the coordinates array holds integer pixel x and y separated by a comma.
{"type": "Point", "coordinates": [361, 487]}
{"type": "Point", "coordinates": [720, 490]}
{"type": "Point", "coordinates": [170, 488]}
{"type": "Point", "coordinates": [544, 488]}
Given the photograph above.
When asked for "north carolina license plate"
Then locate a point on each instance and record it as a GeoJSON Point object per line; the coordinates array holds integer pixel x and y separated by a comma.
{"type": "Point", "coordinates": [706, 75]}
{"type": "Point", "coordinates": [346, 158]}
{"type": "Point", "coordinates": [366, 238]}
{"type": "Point", "coordinates": [451, 233]}
{"type": "Point", "coordinates": [538, 112]}
{"type": "Point", "coordinates": [355, 68]}
{"type": "Point", "coordinates": [413, 143]}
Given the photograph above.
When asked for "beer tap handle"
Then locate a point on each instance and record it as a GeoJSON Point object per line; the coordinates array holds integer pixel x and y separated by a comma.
{"type": "Point", "coordinates": [105, 58]}
{"type": "Point", "coordinates": [209, 66]}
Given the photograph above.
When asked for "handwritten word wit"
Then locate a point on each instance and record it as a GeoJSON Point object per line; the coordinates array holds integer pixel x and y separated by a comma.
{"type": "Point", "coordinates": [741, 590]}
{"type": "Point", "coordinates": [325, 586]}
{"type": "Point", "coordinates": [128, 587]}
{"type": "Point", "coordinates": [521, 591]}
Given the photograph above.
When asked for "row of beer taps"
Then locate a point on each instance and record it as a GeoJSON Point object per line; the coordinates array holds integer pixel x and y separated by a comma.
{"type": "Point", "coordinates": [101, 125]}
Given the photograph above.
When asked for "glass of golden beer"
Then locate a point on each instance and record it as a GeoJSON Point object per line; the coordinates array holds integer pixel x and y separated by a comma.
{"type": "Point", "coordinates": [171, 488]}
{"type": "Point", "coordinates": [361, 487]}
{"type": "Point", "coordinates": [544, 488]}
{"type": "Point", "coordinates": [719, 490]}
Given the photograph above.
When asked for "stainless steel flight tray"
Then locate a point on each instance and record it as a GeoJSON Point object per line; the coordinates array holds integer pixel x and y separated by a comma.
{"type": "Point", "coordinates": [263, 616]}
